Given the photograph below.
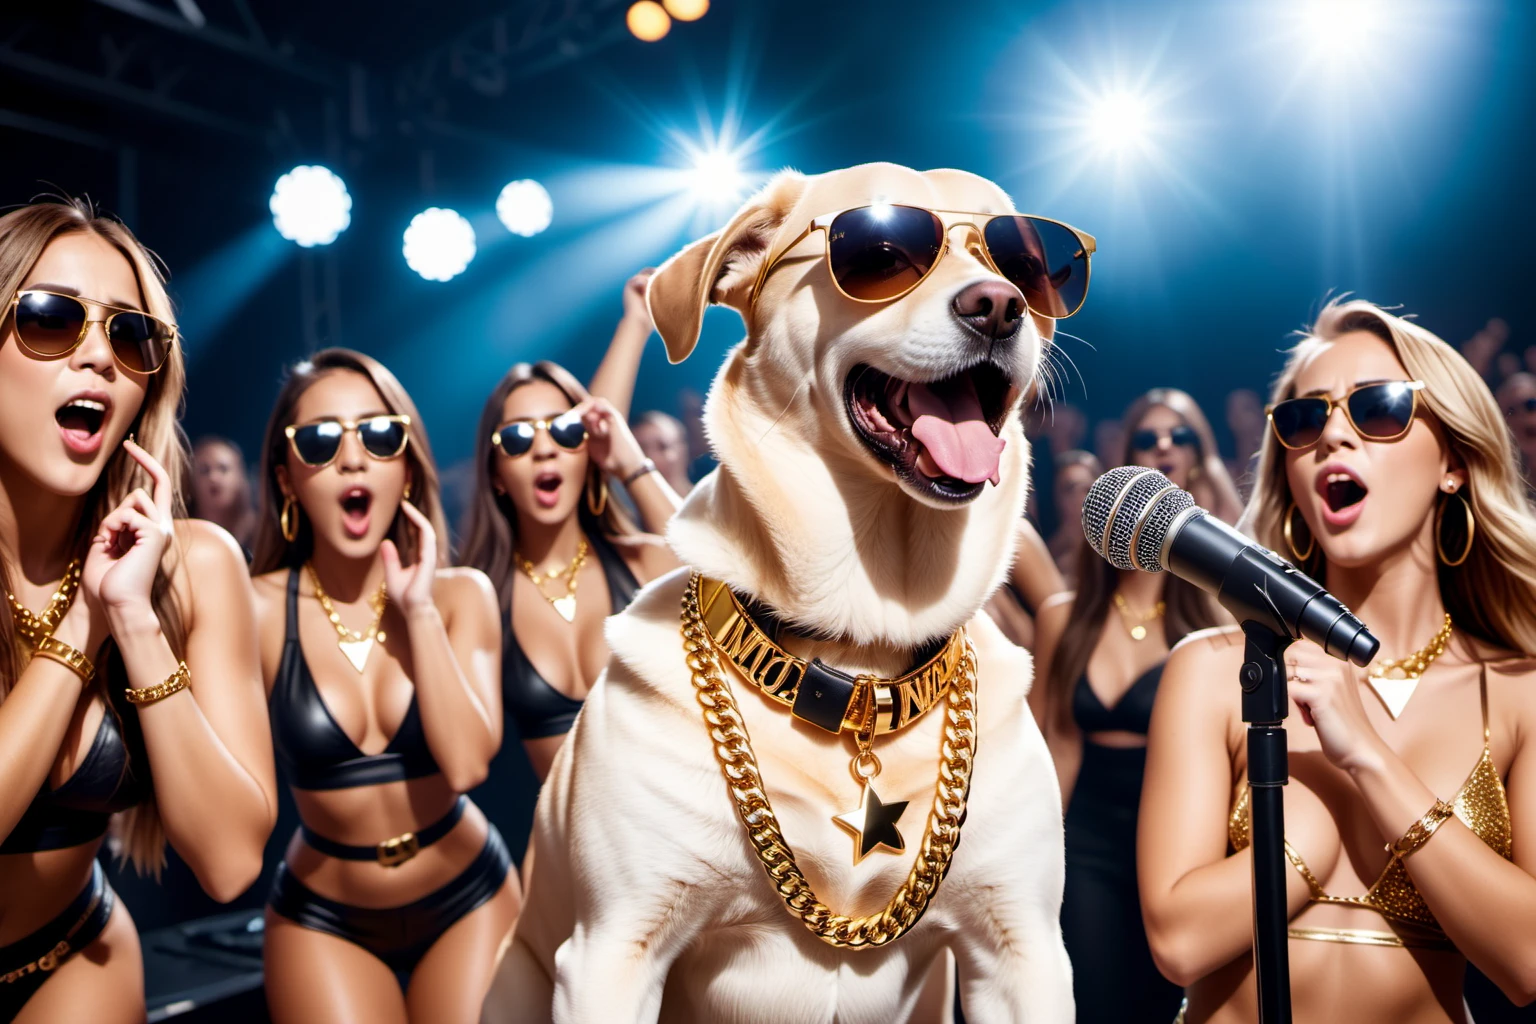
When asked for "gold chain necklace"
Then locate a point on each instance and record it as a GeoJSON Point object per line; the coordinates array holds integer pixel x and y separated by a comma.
{"type": "Point", "coordinates": [733, 752]}
{"type": "Point", "coordinates": [565, 605]}
{"type": "Point", "coordinates": [34, 627]}
{"type": "Point", "coordinates": [1138, 629]}
{"type": "Point", "coordinates": [833, 701]}
{"type": "Point", "coordinates": [356, 646]}
{"type": "Point", "coordinates": [1395, 681]}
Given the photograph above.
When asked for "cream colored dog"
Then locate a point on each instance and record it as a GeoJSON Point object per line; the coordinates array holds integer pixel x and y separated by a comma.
{"type": "Point", "coordinates": [646, 899]}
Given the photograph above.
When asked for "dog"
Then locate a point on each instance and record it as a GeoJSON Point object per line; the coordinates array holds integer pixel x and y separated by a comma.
{"type": "Point", "coordinates": [645, 898]}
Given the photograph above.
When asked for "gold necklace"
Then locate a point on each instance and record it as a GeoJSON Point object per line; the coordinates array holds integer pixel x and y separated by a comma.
{"type": "Point", "coordinates": [733, 752]}
{"type": "Point", "coordinates": [1395, 681]}
{"type": "Point", "coordinates": [356, 646]}
{"type": "Point", "coordinates": [1138, 629]}
{"type": "Point", "coordinates": [34, 627]}
{"type": "Point", "coordinates": [835, 702]}
{"type": "Point", "coordinates": [566, 604]}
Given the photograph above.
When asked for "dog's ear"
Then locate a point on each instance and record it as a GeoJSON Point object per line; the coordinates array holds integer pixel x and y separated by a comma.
{"type": "Point", "coordinates": [718, 268]}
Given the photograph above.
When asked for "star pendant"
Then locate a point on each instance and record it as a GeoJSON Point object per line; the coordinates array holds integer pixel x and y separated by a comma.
{"type": "Point", "coordinates": [872, 825]}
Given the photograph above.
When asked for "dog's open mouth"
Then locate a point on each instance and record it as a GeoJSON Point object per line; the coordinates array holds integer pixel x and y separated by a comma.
{"type": "Point", "coordinates": [940, 436]}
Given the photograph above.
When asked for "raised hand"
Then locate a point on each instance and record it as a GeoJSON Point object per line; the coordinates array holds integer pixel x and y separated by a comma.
{"type": "Point", "coordinates": [609, 441]}
{"type": "Point", "coordinates": [125, 554]}
{"type": "Point", "coordinates": [411, 587]}
{"type": "Point", "coordinates": [1328, 693]}
{"type": "Point", "coordinates": [635, 309]}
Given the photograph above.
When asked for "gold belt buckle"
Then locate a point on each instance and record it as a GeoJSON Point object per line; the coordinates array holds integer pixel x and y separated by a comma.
{"type": "Point", "coordinates": [394, 852]}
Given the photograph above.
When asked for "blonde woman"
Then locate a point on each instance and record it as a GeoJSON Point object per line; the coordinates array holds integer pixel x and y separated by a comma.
{"type": "Point", "coordinates": [130, 692]}
{"type": "Point", "coordinates": [1389, 476]}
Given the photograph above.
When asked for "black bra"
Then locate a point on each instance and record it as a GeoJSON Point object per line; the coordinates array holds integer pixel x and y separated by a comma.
{"type": "Point", "coordinates": [1131, 713]}
{"type": "Point", "coordinates": [80, 810]}
{"type": "Point", "coordinates": [312, 749]}
{"type": "Point", "coordinates": [534, 707]}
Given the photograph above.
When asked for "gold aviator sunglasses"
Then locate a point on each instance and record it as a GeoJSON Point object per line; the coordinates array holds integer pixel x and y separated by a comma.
{"type": "Point", "coordinates": [880, 252]}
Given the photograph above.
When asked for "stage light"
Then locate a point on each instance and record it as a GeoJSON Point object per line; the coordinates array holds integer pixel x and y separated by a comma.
{"type": "Point", "coordinates": [717, 176]}
{"type": "Point", "coordinates": [686, 10]}
{"type": "Point", "coordinates": [310, 206]}
{"type": "Point", "coordinates": [439, 244]}
{"type": "Point", "coordinates": [1119, 121]}
{"type": "Point", "coordinates": [1338, 28]}
{"type": "Point", "coordinates": [525, 207]}
{"type": "Point", "coordinates": [648, 20]}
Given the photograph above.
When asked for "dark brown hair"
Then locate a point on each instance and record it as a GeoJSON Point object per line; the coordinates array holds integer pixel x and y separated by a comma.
{"type": "Point", "coordinates": [490, 542]}
{"type": "Point", "coordinates": [24, 234]}
{"type": "Point", "coordinates": [271, 550]}
{"type": "Point", "coordinates": [1189, 607]}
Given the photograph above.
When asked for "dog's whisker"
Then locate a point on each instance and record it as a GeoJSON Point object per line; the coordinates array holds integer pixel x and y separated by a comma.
{"type": "Point", "coordinates": [784, 411]}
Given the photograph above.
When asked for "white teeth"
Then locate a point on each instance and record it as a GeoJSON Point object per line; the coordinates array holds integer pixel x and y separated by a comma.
{"type": "Point", "coordinates": [86, 403]}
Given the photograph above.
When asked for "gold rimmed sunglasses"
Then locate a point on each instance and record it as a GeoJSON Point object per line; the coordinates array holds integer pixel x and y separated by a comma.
{"type": "Point", "coordinates": [880, 252]}
{"type": "Point", "coordinates": [50, 325]}
{"type": "Point", "coordinates": [1378, 410]}
{"type": "Point", "coordinates": [317, 444]}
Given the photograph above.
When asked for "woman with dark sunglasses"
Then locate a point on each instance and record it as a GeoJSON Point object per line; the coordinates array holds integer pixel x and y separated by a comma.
{"type": "Point", "coordinates": [562, 555]}
{"type": "Point", "coordinates": [129, 696]}
{"type": "Point", "coordinates": [1099, 657]}
{"type": "Point", "coordinates": [1388, 476]}
{"type": "Point", "coordinates": [381, 676]}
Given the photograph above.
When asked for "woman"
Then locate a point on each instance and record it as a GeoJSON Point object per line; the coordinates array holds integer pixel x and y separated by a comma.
{"type": "Point", "coordinates": [1388, 476]}
{"type": "Point", "coordinates": [128, 685]}
{"type": "Point", "coordinates": [381, 679]}
{"type": "Point", "coordinates": [1094, 702]}
{"type": "Point", "coordinates": [221, 490]}
{"type": "Point", "coordinates": [561, 556]}
{"type": "Point", "coordinates": [1076, 471]}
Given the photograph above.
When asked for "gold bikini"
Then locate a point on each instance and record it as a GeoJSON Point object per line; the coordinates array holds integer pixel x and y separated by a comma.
{"type": "Point", "coordinates": [1481, 805]}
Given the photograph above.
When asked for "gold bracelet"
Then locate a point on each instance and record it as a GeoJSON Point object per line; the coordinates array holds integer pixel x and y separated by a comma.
{"type": "Point", "coordinates": [178, 680]}
{"type": "Point", "coordinates": [1419, 832]}
{"type": "Point", "coordinates": [59, 651]}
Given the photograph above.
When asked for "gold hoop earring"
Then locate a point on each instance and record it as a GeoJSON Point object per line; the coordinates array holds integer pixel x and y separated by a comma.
{"type": "Point", "coordinates": [288, 521]}
{"type": "Point", "coordinates": [1471, 530]}
{"type": "Point", "coordinates": [1290, 538]}
{"type": "Point", "coordinates": [597, 506]}
{"type": "Point", "coordinates": [407, 495]}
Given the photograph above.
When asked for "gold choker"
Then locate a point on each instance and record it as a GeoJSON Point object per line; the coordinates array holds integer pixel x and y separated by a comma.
{"type": "Point", "coordinates": [834, 700]}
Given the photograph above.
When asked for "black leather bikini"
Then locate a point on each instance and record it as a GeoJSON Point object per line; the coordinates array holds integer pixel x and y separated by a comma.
{"type": "Point", "coordinates": [532, 706]}
{"type": "Point", "coordinates": [77, 812]}
{"type": "Point", "coordinates": [314, 753]}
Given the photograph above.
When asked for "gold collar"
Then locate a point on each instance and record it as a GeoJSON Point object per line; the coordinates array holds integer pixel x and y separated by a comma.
{"type": "Point", "coordinates": [833, 700]}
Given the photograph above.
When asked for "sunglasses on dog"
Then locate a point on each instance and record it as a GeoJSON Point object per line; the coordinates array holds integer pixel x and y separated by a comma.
{"type": "Point", "coordinates": [1180, 436]}
{"type": "Point", "coordinates": [316, 444]}
{"type": "Point", "coordinates": [1378, 412]}
{"type": "Point", "coordinates": [515, 438]}
{"type": "Point", "coordinates": [879, 253]}
{"type": "Point", "coordinates": [50, 325]}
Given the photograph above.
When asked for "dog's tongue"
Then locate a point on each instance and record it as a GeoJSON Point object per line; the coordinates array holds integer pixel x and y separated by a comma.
{"type": "Point", "coordinates": [953, 431]}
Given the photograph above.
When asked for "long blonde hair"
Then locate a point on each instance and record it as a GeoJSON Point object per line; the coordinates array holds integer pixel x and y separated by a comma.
{"type": "Point", "coordinates": [24, 234]}
{"type": "Point", "coordinates": [1492, 595]}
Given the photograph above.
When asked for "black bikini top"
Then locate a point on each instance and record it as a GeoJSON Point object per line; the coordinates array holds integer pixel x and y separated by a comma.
{"type": "Point", "coordinates": [105, 782]}
{"type": "Point", "coordinates": [533, 706]}
{"type": "Point", "coordinates": [1131, 713]}
{"type": "Point", "coordinates": [312, 749]}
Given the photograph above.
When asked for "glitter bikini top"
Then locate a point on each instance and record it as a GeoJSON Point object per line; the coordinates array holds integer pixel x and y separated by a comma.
{"type": "Point", "coordinates": [1481, 805]}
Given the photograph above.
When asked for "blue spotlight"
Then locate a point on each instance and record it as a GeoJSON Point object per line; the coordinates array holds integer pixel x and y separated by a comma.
{"type": "Point", "coordinates": [716, 177]}
{"type": "Point", "coordinates": [1119, 121]}
{"type": "Point", "coordinates": [1339, 29]}
{"type": "Point", "coordinates": [439, 244]}
{"type": "Point", "coordinates": [525, 207]}
{"type": "Point", "coordinates": [311, 206]}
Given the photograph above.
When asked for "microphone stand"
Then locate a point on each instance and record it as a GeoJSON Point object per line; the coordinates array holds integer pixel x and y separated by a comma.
{"type": "Point", "coordinates": [1265, 703]}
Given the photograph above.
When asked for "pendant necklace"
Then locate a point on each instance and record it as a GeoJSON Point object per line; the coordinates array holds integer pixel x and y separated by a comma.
{"type": "Point", "coordinates": [356, 646]}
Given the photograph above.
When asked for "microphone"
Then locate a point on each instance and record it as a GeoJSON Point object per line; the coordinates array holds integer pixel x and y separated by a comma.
{"type": "Point", "coordinates": [1137, 518]}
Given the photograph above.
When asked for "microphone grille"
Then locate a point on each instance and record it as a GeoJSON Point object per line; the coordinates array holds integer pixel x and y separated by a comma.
{"type": "Point", "coordinates": [1127, 515]}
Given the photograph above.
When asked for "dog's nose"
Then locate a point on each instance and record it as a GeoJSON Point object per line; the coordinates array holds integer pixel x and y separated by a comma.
{"type": "Point", "coordinates": [993, 309]}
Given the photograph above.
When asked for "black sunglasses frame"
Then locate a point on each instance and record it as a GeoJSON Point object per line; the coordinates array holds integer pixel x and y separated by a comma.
{"type": "Point", "coordinates": [1182, 436]}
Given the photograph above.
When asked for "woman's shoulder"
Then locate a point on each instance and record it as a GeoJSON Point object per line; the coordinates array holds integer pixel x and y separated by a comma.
{"type": "Point", "coordinates": [463, 585]}
{"type": "Point", "coordinates": [1215, 652]}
